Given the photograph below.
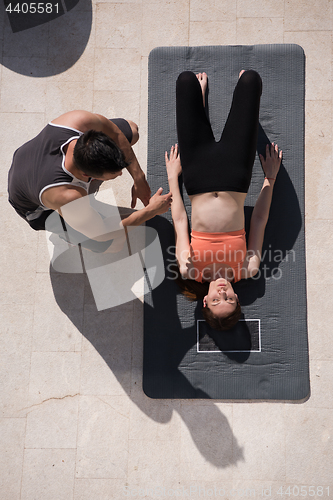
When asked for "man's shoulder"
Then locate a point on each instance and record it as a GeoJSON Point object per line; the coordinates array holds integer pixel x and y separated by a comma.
{"type": "Point", "coordinates": [79, 119]}
{"type": "Point", "coordinates": [57, 196]}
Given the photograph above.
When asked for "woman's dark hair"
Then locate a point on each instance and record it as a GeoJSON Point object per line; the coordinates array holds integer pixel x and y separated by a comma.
{"type": "Point", "coordinates": [194, 291]}
{"type": "Point", "coordinates": [222, 323]}
{"type": "Point", "coordinates": [95, 154]}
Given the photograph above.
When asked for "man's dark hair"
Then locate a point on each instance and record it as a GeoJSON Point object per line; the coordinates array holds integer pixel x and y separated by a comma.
{"type": "Point", "coordinates": [95, 154]}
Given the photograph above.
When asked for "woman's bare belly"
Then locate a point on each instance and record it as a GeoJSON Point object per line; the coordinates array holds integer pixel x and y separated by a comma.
{"type": "Point", "coordinates": [218, 212]}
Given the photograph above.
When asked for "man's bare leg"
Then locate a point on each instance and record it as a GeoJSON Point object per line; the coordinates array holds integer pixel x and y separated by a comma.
{"type": "Point", "coordinates": [135, 132]}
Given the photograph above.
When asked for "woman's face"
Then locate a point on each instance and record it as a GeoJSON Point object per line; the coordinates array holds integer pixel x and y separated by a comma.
{"type": "Point", "coordinates": [221, 298]}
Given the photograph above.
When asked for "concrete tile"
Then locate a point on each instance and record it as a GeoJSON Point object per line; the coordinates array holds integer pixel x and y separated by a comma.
{"type": "Point", "coordinates": [309, 458]}
{"type": "Point", "coordinates": [106, 351]}
{"type": "Point", "coordinates": [118, 25]}
{"type": "Point", "coordinates": [154, 420]}
{"type": "Point", "coordinates": [81, 71]}
{"type": "Point", "coordinates": [103, 489]}
{"type": "Point", "coordinates": [11, 456]}
{"type": "Point", "coordinates": [15, 233]}
{"type": "Point", "coordinates": [54, 375]}
{"type": "Point", "coordinates": [19, 250]}
{"type": "Point", "coordinates": [11, 294]}
{"type": "Point", "coordinates": [20, 93]}
{"type": "Point", "coordinates": [254, 30]}
{"type": "Point", "coordinates": [212, 32]}
{"type": "Point", "coordinates": [58, 328]}
{"type": "Point", "coordinates": [102, 450]}
{"type": "Point", "coordinates": [149, 468]}
{"type": "Point", "coordinates": [117, 105]}
{"type": "Point", "coordinates": [319, 322]}
{"type": "Point", "coordinates": [169, 28]}
{"type": "Point", "coordinates": [207, 452]}
{"type": "Point", "coordinates": [53, 424]}
{"type": "Point", "coordinates": [251, 488]}
{"type": "Point", "coordinates": [117, 70]}
{"type": "Point", "coordinates": [26, 126]}
{"type": "Point", "coordinates": [319, 240]}
{"type": "Point", "coordinates": [318, 160]}
{"type": "Point", "coordinates": [307, 15]}
{"type": "Point", "coordinates": [261, 8]}
{"type": "Point", "coordinates": [209, 10]}
{"type": "Point", "coordinates": [48, 474]}
{"type": "Point", "coordinates": [18, 259]}
{"type": "Point", "coordinates": [196, 490]}
{"type": "Point", "coordinates": [262, 443]}
{"type": "Point", "coordinates": [67, 96]}
{"type": "Point", "coordinates": [321, 382]}
{"type": "Point", "coordinates": [143, 119]}
{"type": "Point", "coordinates": [15, 335]}
{"type": "Point", "coordinates": [318, 52]}
{"type": "Point", "coordinates": [122, 1]}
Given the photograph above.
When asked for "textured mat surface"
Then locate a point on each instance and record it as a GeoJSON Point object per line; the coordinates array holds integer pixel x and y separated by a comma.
{"type": "Point", "coordinates": [267, 356]}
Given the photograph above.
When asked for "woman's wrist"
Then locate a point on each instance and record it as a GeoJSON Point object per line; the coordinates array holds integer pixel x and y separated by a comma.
{"type": "Point", "coordinates": [173, 178]}
{"type": "Point", "coordinates": [269, 181]}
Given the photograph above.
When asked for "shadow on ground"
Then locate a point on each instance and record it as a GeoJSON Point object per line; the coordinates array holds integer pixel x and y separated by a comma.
{"type": "Point", "coordinates": [49, 48]}
{"type": "Point", "coordinates": [121, 348]}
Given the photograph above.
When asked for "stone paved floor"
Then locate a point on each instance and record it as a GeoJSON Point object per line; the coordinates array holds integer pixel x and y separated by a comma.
{"type": "Point", "coordinates": [75, 424]}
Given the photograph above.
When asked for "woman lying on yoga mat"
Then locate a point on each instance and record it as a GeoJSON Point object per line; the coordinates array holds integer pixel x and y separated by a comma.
{"type": "Point", "coordinates": [217, 176]}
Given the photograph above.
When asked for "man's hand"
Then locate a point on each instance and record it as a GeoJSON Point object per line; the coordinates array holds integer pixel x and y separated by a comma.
{"type": "Point", "coordinates": [159, 203]}
{"type": "Point", "coordinates": [173, 164]}
{"type": "Point", "coordinates": [140, 190]}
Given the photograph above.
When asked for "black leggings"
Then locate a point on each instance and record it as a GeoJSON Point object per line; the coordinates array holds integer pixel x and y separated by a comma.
{"type": "Point", "coordinates": [225, 165]}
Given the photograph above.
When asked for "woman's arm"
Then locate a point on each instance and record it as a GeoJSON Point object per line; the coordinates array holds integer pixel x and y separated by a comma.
{"type": "Point", "coordinates": [178, 212]}
{"type": "Point", "coordinates": [271, 165]}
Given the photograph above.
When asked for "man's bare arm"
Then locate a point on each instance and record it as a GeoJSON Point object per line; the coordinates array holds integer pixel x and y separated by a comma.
{"type": "Point", "coordinates": [84, 121]}
{"type": "Point", "coordinates": [74, 206]}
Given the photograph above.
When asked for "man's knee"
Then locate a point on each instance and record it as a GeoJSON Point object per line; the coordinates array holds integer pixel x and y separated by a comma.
{"type": "Point", "coordinates": [135, 132]}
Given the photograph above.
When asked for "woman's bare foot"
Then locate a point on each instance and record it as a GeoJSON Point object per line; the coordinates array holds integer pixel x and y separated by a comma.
{"type": "Point", "coordinates": [202, 77]}
{"type": "Point", "coordinates": [241, 72]}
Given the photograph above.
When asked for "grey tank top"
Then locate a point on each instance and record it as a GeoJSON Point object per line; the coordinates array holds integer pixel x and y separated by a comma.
{"type": "Point", "coordinates": [38, 165]}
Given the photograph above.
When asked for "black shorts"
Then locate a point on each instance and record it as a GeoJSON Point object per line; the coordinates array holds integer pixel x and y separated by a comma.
{"type": "Point", "coordinates": [124, 126]}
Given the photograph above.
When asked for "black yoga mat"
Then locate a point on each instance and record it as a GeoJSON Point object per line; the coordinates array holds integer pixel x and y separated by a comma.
{"type": "Point", "coordinates": [266, 356]}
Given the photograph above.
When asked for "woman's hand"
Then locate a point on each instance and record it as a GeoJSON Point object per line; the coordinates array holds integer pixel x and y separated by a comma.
{"type": "Point", "coordinates": [271, 164]}
{"type": "Point", "coordinates": [173, 164]}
